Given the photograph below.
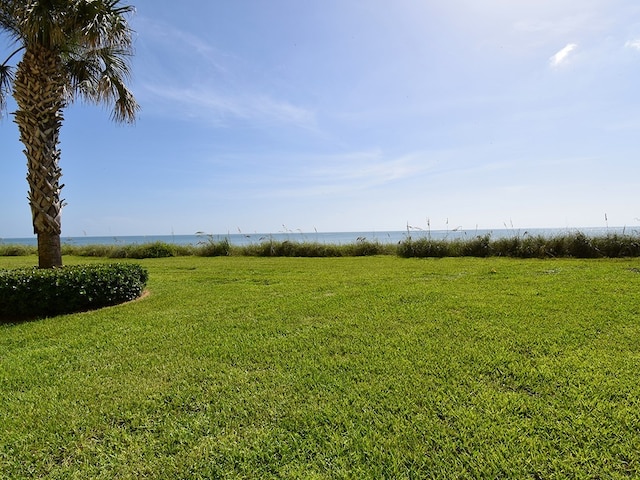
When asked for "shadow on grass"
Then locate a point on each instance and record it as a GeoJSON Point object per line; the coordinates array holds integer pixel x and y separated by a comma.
{"type": "Point", "coordinates": [14, 320]}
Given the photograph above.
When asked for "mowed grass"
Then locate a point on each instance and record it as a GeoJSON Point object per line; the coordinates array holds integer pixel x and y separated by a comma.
{"type": "Point", "coordinates": [376, 367]}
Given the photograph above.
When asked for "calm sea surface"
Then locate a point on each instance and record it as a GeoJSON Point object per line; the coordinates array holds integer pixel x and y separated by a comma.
{"type": "Point", "coordinates": [331, 238]}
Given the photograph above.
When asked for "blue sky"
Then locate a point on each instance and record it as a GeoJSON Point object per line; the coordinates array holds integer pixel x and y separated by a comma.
{"type": "Point", "coordinates": [351, 115]}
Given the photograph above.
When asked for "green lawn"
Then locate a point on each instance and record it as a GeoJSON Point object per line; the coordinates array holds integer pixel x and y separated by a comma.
{"type": "Point", "coordinates": [360, 367]}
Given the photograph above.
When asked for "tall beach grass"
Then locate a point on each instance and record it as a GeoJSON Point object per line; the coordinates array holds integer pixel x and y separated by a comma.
{"type": "Point", "coordinates": [568, 245]}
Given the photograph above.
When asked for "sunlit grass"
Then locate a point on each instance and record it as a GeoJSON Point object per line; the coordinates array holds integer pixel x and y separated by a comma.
{"type": "Point", "coordinates": [376, 367]}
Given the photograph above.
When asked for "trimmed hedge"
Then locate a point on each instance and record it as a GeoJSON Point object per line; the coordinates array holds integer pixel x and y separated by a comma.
{"type": "Point", "coordinates": [33, 292]}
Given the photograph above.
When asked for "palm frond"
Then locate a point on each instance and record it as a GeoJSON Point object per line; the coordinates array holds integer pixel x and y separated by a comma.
{"type": "Point", "coordinates": [42, 22]}
{"type": "Point", "coordinates": [104, 23]}
{"type": "Point", "coordinates": [100, 76]}
{"type": "Point", "coordinates": [126, 107]}
{"type": "Point", "coordinates": [8, 17]}
{"type": "Point", "coordinates": [99, 64]}
{"type": "Point", "coordinates": [6, 80]}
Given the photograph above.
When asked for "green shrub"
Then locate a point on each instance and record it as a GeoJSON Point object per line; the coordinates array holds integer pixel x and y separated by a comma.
{"type": "Point", "coordinates": [28, 293]}
{"type": "Point", "coordinates": [99, 251]}
{"type": "Point", "coordinates": [581, 246]}
{"type": "Point", "coordinates": [316, 249]}
{"type": "Point", "coordinates": [137, 251]}
{"type": "Point", "coordinates": [363, 248]}
{"type": "Point", "coordinates": [150, 250]}
{"type": "Point", "coordinates": [286, 248]}
{"type": "Point", "coordinates": [554, 247]}
{"type": "Point", "coordinates": [214, 248]}
{"type": "Point", "coordinates": [184, 250]}
{"type": "Point", "coordinates": [526, 246]}
{"type": "Point", "coordinates": [618, 245]}
{"type": "Point", "coordinates": [16, 250]}
{"type": "Point", "coordinates": [479, 246]}
{"type": "Point", "coordinates": [424, 247]}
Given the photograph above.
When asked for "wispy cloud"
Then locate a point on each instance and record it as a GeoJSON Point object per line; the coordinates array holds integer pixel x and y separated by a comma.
{"type": "Point", "coordinates": [369, 168]}
{"type": "Point", "coordinates": [561, 57]}
{"type": "Point", "coordinates": [217, 107]}
{"type": "Point", "coordinates": [308, 176]}
{"type": "Point", "coordinates": [207, 84]}
{"type": "Point", "coordinates": [635, 44]}
{"type": "Point", "coordinates": [186, 45]}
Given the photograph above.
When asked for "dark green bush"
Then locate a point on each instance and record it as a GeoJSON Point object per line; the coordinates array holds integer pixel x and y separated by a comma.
{"type": "Point", "coordinates": [618, 245]}
{"type": "Point", "coordinates": [581, 246]}
{"type": "Point", "coordinates": [149, 250]}
{"type": "Point", "coordinates": [28, 293]}
{"type": "Point", "coordinates": [479, 246]}
{"type": "Point", "coordinates": [16, 250]}
{"type": "Point", "coordinates": [137, 251]}
{"type": "Point", "coordinates": [424, 247]}
{"type": "Point", "coordinates": [555, 246]}
{"type": "Point", "coordinates": [214, 248]}
{"type": "Point", "coordinates": [363, 248]}
{"type": "Point", "coordinates": [286, 248]}
{"type": "Point", "coordinates": [526, 246]}
{"type": "Point", "coordinates": [101, 251]}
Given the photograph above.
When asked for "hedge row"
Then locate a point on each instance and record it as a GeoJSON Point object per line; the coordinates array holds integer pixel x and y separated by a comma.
{"type": "Point", "coordinates": [33, 292]}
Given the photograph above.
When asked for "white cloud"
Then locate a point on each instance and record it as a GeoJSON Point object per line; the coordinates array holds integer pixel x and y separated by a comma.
{"type": "Point", "coordinates": [633, 44]}
{"type": "Point", "coordinates": [206, 103]}
{"type": "Point", "coordinates": [184, 88]}
{"type": "Point", "coordinates": [308, 176]}
{"type": "Point", "coordinates": [371, 167]}
{"type": "Point", "coordinates": [560, 57]}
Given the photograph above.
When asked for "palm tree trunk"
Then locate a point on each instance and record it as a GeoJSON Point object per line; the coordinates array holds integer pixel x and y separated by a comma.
{"type": "Point", "coordinates": [49, 252]}
{"type": "Point", "coordinates": [39, 93]}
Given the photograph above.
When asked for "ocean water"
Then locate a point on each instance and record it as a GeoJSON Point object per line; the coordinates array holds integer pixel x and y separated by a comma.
{"type": "Point", "coordinates": [330, 238]}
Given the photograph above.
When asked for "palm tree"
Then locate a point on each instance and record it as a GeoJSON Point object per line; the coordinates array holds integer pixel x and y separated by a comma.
{"type": "Point", "coordinates": [70, 49]}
